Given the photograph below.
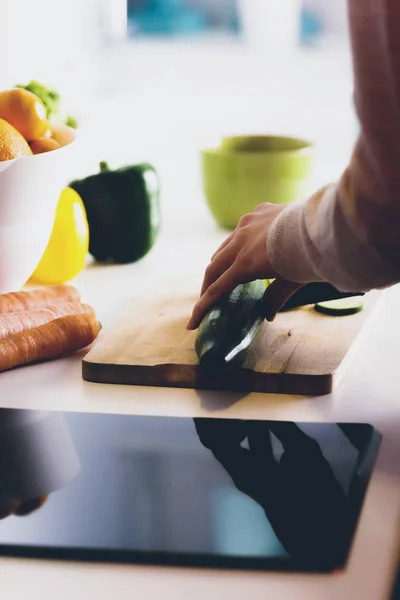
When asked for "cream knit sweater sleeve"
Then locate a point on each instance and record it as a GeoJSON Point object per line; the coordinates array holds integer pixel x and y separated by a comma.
{"type": "Point", "coordinates": [349, 233]}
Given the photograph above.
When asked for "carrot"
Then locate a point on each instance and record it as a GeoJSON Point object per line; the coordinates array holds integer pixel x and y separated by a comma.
{"type": "Point", "coordinates": [12, 323]}
{"type": "Point", "coordinates": [55, 294]}
{"type": "Point", "coordinates": [52, 340]}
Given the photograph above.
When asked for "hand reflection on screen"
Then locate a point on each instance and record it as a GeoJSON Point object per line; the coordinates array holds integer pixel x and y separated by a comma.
{"type": "Point", "coordinates": [23, 509]}
{"type": "Point", "coordinates": [300, 495]}
{"type": "Point", "coordinates": [37, 457]}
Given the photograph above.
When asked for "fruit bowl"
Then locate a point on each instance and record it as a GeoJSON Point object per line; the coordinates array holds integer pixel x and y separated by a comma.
{"type": "Point", "coordinates": [29, 191]}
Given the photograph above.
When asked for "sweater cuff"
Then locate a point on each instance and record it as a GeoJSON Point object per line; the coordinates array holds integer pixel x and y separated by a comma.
{"type": "Point", "coordinates": [286, 250]}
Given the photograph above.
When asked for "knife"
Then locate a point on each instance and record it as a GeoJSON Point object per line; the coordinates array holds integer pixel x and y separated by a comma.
{"type": "Point", "coordinates": [223, 343]}
{"type": "Point", "coordinates": [312, 293]}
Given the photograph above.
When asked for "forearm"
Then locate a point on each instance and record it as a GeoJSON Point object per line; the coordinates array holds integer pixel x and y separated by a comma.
{"type": "Point", "coordinates": [318, 241]}
{"type": "Point", "coordinates": [349, 233]}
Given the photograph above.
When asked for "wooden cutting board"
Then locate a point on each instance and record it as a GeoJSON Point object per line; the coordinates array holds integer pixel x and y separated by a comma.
{"type": "Point", "coordinates": [301, 352]}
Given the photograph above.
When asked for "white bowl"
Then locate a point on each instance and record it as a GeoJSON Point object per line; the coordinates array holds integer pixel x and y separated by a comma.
{"type": "Point", "coordinates": [29, 191]}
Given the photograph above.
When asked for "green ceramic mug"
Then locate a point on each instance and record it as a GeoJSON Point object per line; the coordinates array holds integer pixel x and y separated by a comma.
{"type": "Point", "coordinates": [245, 171]}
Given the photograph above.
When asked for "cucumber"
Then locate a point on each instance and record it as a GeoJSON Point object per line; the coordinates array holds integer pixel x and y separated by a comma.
{"type": "Point", "coordinates": [341, 307]}
{"type": "Point", "coordinates": [230, 327]}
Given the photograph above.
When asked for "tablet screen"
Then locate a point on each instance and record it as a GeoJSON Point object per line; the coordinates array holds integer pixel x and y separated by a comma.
{"type": "Point", "coordinates": [182, 491]}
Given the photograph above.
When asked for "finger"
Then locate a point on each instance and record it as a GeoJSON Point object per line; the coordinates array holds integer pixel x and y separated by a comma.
{"type": "Point", "coordinates": [218, 265]}
{"type": "Point", "coordinates": [30, 506]}
{"type": "Point", "coordinates": [277, 294]}
{"type": "Point", "coordinates": [223, 245]}
{"type": "Point", "coordinates": [261, 207]}
{"type": "Point", "coordinates": [244, 221]}
{"type": "Point", "coordinates": [224, 285]}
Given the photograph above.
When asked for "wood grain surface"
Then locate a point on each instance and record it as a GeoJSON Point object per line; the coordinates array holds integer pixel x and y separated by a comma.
{"type": "Point", "coordinates": [301, 352]}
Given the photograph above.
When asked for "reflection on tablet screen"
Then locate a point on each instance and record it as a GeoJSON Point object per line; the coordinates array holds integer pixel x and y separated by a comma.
{"type": "Point", "coordinates": [181, 491]}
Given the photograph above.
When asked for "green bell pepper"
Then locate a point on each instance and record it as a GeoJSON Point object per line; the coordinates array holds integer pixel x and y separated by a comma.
{"type": "Point", "coordinates": [123, 211]}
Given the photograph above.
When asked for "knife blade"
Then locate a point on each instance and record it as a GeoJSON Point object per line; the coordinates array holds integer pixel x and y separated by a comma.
{"type": "Point", "coordinates": [312, 293]}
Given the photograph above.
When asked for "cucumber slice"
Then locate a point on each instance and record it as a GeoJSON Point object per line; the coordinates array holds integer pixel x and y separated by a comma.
{"type": "Point", "coordinates": [341, 307]}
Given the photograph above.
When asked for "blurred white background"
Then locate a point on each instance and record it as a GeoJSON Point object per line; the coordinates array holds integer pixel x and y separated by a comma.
{"type": "Point", "coordinates": [159, 79]}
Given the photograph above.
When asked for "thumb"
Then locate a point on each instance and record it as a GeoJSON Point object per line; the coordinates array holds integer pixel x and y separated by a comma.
{"type": "Point", "coordinates": [277, 294]}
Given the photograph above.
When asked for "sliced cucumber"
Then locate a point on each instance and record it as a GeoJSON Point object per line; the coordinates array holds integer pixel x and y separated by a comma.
{"type": "Point", "coordinates": [341, 307]}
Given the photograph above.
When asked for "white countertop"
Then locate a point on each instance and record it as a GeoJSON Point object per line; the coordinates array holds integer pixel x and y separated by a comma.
{"type": "Point", "coordinates": [167, 119]}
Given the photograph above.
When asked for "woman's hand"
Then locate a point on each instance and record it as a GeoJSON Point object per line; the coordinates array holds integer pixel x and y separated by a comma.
{"type": "Point", "coordinates": [24, 509]}
{"type": "Point", "coordinates": [243, 258]}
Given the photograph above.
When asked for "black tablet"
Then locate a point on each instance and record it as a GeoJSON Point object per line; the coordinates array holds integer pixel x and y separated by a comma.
{"type": "Point", "coordinates": [202, 492]}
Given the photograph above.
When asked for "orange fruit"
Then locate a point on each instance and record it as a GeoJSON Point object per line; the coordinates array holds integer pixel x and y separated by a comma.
{"type": "Point", "coordinates": [60, 133]}
{"type": "Point", "coordinates": [12, 144]}
{"type": "Point", "coordinates": [48, 132]}
{"type": "Point", "coordinates": [24, 111]}
{"type": "Point", "coordinates": [43, 144]}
